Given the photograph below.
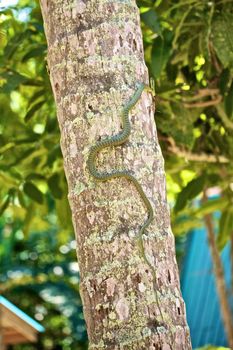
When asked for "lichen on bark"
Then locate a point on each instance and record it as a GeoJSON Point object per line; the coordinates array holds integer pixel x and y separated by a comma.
{"type": "Point", "coordinates": [95, 58]}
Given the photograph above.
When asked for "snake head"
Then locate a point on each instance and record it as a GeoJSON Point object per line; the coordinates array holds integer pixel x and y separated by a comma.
{"type": "Point", "coordinates": [150, 90]}
{"type": "Point", "coordinates": [138, 84]}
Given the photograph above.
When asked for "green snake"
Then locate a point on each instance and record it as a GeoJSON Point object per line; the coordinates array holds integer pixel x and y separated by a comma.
{"type": "Point", "coordinates": [117, 140]}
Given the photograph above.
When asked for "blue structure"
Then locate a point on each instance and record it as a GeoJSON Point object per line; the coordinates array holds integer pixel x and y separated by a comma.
{"type": "Point", "coordinates": [199, 291]}
{"type": "Point", "coordinates": [16, 326]}
{"type": "Point", "coordinates": [21, 314]}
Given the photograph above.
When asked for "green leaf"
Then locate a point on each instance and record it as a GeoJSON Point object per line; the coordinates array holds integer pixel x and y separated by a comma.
{"type": "Point", "coordinates": [36, 95]}
{"type": "Point", "coordinates": [214, 179]}
{"type": "Point", "coordinates": [159, 55]}
{"type": "Point", "coordinates": [54, 154]}
{"type": "Point", "coordinates": [167, 87]}
{"type": "Point", "coordinates": [211, 206]}
{"type": "Point", "coordinates": [21, 199]}
{"type": "Point", "coordinates": [222, 33]}
{"type": "Point", "coordinates": [223, 80]}
{"type": "Point", "coordinates": [185, 225]}
{"type": "Point", "coordinates": [176, 120]}
{"type": "Point", "coordinates": [145, 3]}
{"type": "Point", "coordinates": [189, 192]}
{"type": "Point", "coordinates": [225, 228]}
{"type": "Point", "coordinates": [151, 19]}
{"type": "Point", "coordinates": [54, 186]}
{"type": "Point", "coordinates": [33, 192]}
{"type": "Point", "coordinates": [5, 204]}
{"type": "Point", "coordinates": [38, 27]}
{"type": "Point", "coordinates": [34, 176]}
{"type": "Point", "coordinates": [229, 102]}
{"type": "Point", "coordinates": [14, 43]}
{"type": "Point", "coordinates": [12, 46]}
{"type": "Point", "coordinates": [37, 51]}
{"type": "Point", "coordinates": [6, 147]}
{"type": "Point", "coordinates": [12, 81]}
{"type": "Point", "coordinates": [33, 110]}
{"type": "Point", "coordinates": [33, 82]}
{"type": "Point", "coordinates": [63, 213]}
{"type": "Point", "coordinates": [3, 39]}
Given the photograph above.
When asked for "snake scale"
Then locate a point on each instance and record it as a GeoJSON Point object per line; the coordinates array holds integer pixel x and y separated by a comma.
{"type": "Point", "coordinates": [116, 140]}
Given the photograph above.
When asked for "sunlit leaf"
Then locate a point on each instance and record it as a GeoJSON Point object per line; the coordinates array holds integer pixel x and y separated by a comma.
{"type": "Point", "coordinates": [181, 227]}
{"type": "Point", "coordinates": [13, 80]}
{"type": "Point", "coordinates": [225, 230]}
{"type": "Point", "coordinates": [212, 205]}
{"type": "Point", "coordinates": [189, 192]}
{"type": "Point", "coordinates": [4, 205]}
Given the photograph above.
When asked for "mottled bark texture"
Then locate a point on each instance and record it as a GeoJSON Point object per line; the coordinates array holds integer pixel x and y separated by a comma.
{"type": "Point", "coordinates": [95, 59]}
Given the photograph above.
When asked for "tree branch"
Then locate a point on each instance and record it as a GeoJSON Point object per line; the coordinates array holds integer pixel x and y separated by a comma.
{"type": "Point", "coordinates": [204, 103]}
{"type": "Point", "coordinates": [202, 93]}
{"type": "Point", "coordinates": [228, 123]}
{"type": "Point", "coordinates": [219, 276]}
{"type": "Point", "coordinates": [202, 157]}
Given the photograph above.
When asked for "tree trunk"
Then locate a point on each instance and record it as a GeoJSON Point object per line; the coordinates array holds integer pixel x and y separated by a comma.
{"type": "Point", "coordinates": [219, 278]}
{"type": "Point", "coordinates": [95, 58]}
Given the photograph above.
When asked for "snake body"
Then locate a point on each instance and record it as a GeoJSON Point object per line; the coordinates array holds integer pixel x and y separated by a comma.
{"type": "Point", "coordinates": [117, 140]}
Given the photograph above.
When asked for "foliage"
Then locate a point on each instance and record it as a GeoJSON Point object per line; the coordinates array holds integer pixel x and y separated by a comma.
{"type": "Point", "coordinates": [40, 274]}
{"type": "Point", "coordinates": [189, 53]}
{"type": "Point", "coordinates": [188, 50]}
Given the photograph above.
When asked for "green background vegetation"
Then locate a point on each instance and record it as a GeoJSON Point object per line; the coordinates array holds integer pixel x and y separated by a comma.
{"type": "Point", "coordinates": [189, 53]}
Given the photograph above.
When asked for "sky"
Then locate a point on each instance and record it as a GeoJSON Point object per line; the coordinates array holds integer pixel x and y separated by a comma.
{"type": "Point", "coordinates": [21, 15]}
{"type": "Point", "coordinates": [8, 2]}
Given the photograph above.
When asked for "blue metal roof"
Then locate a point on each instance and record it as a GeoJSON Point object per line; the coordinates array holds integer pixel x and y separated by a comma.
{"type": "Point", "coordinates": [21, 314]}
{"type": "Point", "coordinates": [199, 291]}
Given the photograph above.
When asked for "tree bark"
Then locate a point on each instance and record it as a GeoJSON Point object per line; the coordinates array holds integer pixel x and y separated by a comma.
{"type": "Point", "coordinates": [95, 59]}
{"type": "Point", "coordinates": [219, 278]}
